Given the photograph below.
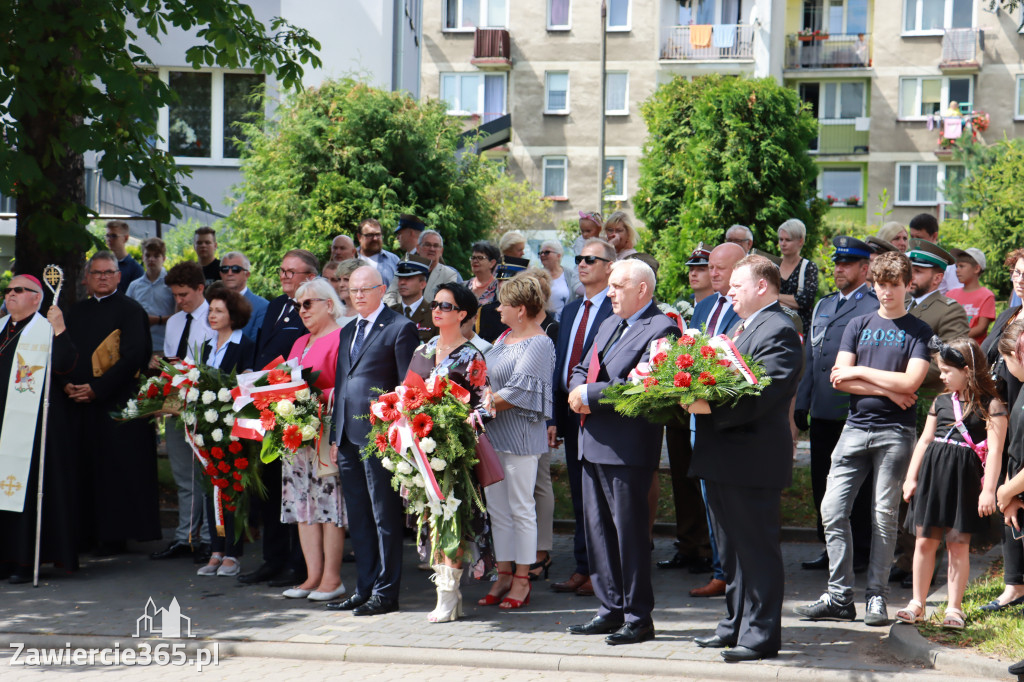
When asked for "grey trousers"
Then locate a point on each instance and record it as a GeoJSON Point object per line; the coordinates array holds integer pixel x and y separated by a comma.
{"type": "Point", "coordinates": [188, 477]}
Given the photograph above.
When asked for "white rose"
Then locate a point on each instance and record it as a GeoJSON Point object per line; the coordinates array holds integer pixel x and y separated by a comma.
{"type": "Point", "coordinates": [224, 395]}
{"type": "Point", "coordinates": [193, 374]}
{"type": "Point", "coordinates": [183, 394]}
{"type": "Point", "coordinates": [285, 408]}
{"type": "Point", "coordinates": [437, 464]}
{"type": "Point", "coordinates": [208, 397]}
{"type": "Point", "coordinates": [302, 394]}
{"type": "Point", "coordinates": [315, 423]}
{"type": "Point", "coordinates": [189, 418]}
{"type": "Point", "coordinates": [404, 468]}
{"type": "Point", "coordinates": [387, 463]}
{"type": "Point", "coordinates": [428, 445]}
{"type": "Point", "coordinates": [211, 416]}
{"type": "Point", "coordinates": [308, 432]}
{"type": "Point", "coordinates": [418, 481]}
{"type": "Point", "coordinates": [229, 419]}
{"type": "Point", "coordinates": [418, 506]}
{"type": "Point", "coordinates": [132, 409]}
{"type": "Point", "coordinates": [193, 395]}
{"type": "Point", "coordinates": [233, 439]}
{"type": "Point", "coordinates": [199, 440]}
{"type": "Point", "coordinates": [217, 435]}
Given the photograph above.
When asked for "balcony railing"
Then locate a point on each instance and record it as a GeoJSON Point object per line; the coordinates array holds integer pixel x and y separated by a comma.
{"type": "Point", "coordinates": [828, 51]}
{"type": "Point", "coordinates": [961, 48]}
{"type": "Point", "coordinates": [707, 42]}
{"type": "Point", "coordinates": [492, 48]}
{"type": "Point", "coordinates": [841, 137]}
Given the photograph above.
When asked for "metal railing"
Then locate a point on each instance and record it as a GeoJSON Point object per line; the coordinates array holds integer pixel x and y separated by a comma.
{"type": "Point", "coordinates": [840, 136]}
{"type": "Point", "coordinates": [960, 48]}
{"type": "Point", "coordinates": [707, 42]}
{"type": "Point", "coordinates": [828, 51]}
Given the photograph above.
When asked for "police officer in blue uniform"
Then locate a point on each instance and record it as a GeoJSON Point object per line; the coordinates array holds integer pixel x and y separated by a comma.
{"type": "Point", "coordinates": [821, 409]}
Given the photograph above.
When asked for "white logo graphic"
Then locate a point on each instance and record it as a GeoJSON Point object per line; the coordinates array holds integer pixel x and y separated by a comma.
{"type": "Point", "coordinates": [168, 623]}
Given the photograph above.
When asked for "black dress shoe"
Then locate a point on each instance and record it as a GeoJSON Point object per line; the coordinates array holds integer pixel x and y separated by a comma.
{"type": "Point", "coordinates": [173, 551]}
{"type": "Point", "coordinates": [347, 605]}
{"type": "Point", "coordinates": [713, 642]}
{"type": "Point", "coordinates": [288, 578]}
{"type": "Point", "coordinates": [262, 574]}
{"type": "Point", "coordinates": [819, 563]}
{"type": "Point", "coordinates": [677, 561]}
{"type": "Point", "coordinates": [201, 555]}
{"type": "Point", "coordinates": [742, 653]}
{"type": "Point", "coordinates": [700, 565]}
{"type": "Point", "coordinates": [631, 633]}
{"type": "Point", "coordinates": [598, 626]}
{"type": "Point", "coordinates": [1017, 669]}
{"type": "Point", "coordinates": [376, 605]}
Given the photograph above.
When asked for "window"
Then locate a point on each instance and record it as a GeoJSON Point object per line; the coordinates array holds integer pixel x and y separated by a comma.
{"type": "Point", "coordinates": [556, 92]}
{"type": "Point", "coordinates": [842, 101]}
{"type": "Point", "coordinates": [618, 15]}
{"type": "Point", "coordinates": [847, 17]}
{"type": "Point", "coordinates": [556, 175]}
{"type": "Point", "coordinates": [474, 93]}
{"type": "Point", "coordinates": [203, 126]}
{"type": "Point", "coordinates": [615, 178]}
{"type": "Point", "coordinates": [920, 184]}
{"type": "Point", "coordinates": [841, 183]}
{"type": "Point", "coordinates": [616, 100]}
{"type": "Point", "coordinates": [461, 15]}
{"type": "Point", "coordinates": [921, 16]}
{"type": "Point", "coordinates": [1018, 111]}
{"type": "Point", "coordinates": [558, 15]}
{"type": "Point", "coordinates": [930, 95]}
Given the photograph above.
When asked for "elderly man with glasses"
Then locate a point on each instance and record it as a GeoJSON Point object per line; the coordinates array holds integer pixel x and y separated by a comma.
{"type": "Point", "coordinates": [234, 272]}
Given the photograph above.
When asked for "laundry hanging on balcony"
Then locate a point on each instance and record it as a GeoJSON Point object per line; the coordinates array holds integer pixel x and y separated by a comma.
{"type": "Point", "coordinates": [952, 127]}
{"type": "Point", "coordinates": [700, 35]}
{"type": "Point", "coordinates": [724, 36]}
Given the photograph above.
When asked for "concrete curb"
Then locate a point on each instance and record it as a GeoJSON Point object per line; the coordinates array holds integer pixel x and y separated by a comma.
{"type": "Point", "coordinates": [909, 645]}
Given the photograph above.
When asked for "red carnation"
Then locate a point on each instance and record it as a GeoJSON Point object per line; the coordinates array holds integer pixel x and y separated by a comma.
{"type": "Point", "coordinates": [167, 388]}
{"type": "Point", "coordinates": [725, 362]}
{"type": "Point", "coordinates": [681, 380]}
{"type": "Point", "coordinates": [707, 378]}
{"type": "Point", "coordinates": [210, 469]}
{"type": "Point", "coordinates": [238, 487]}
{"type": "Point", "coordinates": [234, 447]}
{"type": "Point", "coordinates": [685, 360]}
{"type": "Point", "coordinates": [389, 409]}
{"type": "Point", "coordinates": [217, 452]}
{"type": "Point", "coordinates": [268, 420]}
{"type": "Point", "coordinates": [477, 373]}
{"type": "Point", "coordinates": [152, 391]}
{"type": "Point", "coordinates": [220, 482]}
{"type": "Point", "coordinates": [650, 381]}
{"type": "Point", "coordinates": [421, 425]}
{"type": "Point", "coordinates": [414, 399]}
{"type": "Point", "coordinates": [708, 352]}
{"type": "Point", "coordinates": [658, 359]}
{"type": "Point", "coordinates": [687, 340]}
{"type": "Point", "coordinates": [292, 437]}
{"type": "Point", "coordinates": [277, 376]}
{"type": "Point", "coordinates": [382, 442]}
{"type": "Point", "coordinates": [224, 466]}
{"type": "Point", "coordinates": [230, 507]}
{"type": "Point", "coordinates": [241, 463]}
{"type": "Point", "coordinates": [237, 475]}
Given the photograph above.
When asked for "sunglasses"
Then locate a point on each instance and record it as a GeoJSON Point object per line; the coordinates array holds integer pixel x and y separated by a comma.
{"type": "Point", "coordinates": [445, 306]}
{"type": "Point", "coordinates": [19, 290]}
{"type": "Point", "coordinates": [308, 303]}
{"type": "Point", "coordinates": [546, 253]}
{"type": "Point", "coordinates": [232, 268]}
{"type": "Point", "coordinates": [590, 260]}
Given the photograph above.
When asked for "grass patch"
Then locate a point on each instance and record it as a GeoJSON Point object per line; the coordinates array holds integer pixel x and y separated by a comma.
{"type": "Point", "coordinates": [798, 501]}
{"type": "Point", "coordinates": [1000, 633]}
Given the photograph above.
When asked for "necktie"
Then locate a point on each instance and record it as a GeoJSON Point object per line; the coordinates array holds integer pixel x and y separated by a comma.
{"type": "Point", "coordinates": [577, 344]}
{"type": "Point", "coordinates": [719, 304]}
{"type": "Point", "coordinates": [913, 304]}
{"type": "Point", "coordinates": [839, 303]}
{"type": "Point", "coordinates": [183, 342]}
{"type": "Point", "coordinates": [616, 335]}
{"type": "Point", "coordinates": [739, 330]}
{"type": "Point", "coordinates": [360, 336]}
{"type": "Point", "coordinates": [408, 312]}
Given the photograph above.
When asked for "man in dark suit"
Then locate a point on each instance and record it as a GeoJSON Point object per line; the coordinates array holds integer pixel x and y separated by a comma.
{"type": "Point", "coordinates": [581, 318]}
{"type": "Point", "coordinates": [282, 565]}
{"type": "Point", "coordinates": [411, 281]}
{"type": "Point", "coordinates": [620, 456]}
{"type": "Point", "coordinates": [744, 454]}
{"type": "Point", "coordinates": [373, 353]}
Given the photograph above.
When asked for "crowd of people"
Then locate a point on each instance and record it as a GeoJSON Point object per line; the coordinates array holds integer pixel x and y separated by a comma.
{"type": "Point", "coordinates": [890, 359]}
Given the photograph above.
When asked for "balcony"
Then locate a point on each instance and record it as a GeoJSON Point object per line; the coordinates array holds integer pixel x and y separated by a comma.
{"type": "Point", "coordinates": [841, 137]}
{"type": "Point", "coordinates": [828, 51]}
{"type": "Point", "coordinates": [962, 49]}
{"type": "Point", "coordinates": [708, 43]}
{"type": "Point", "coordinates": [492, 49]}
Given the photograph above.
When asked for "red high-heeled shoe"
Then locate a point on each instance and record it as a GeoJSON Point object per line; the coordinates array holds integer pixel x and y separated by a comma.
{"type": "Point", "coordinates": [510, 603]}
{"type": "Point", "coordinates": [492, 599]}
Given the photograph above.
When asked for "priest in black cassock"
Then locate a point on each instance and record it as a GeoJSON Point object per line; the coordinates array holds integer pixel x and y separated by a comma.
{"type": "Point", "coordinates": [117, 468]}
{"type": "Point", "coordinates": [18, 369]}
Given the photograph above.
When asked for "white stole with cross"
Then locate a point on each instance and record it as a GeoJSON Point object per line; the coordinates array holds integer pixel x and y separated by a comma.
{"type": "Point", "coordinates": [25, 387]}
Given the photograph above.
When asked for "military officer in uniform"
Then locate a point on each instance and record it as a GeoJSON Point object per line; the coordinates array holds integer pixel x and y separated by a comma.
{"type": "Point", "coordinates": [411, 275]}
{"type": "Point", "coordinates": [820, 408]}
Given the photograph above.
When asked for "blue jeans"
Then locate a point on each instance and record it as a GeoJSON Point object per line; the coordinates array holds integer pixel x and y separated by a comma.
{"type": "Point", "coordinates": [886, 451]}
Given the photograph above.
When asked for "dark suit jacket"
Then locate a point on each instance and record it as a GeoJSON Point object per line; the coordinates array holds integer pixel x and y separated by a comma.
{"type": "Point", "coordinates": [238, 356]}
{"type": "Point", "coordinates": [277, 339]}
{"type": "Point", "coordinates": [750, 444]}
{"type": "Point", "coordinates": [607, 437]}
{"type": "Point", "coordinates": [702, 311]}
{"type": "Point", "coordinates": [422, 318]}
{"type": "Point", "coordinates": [381, 364]}
{"type": "Point", "coordinates": [563, 417]}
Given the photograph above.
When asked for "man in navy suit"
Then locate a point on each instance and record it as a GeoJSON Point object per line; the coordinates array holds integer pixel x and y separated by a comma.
{"type": "Point", "coordinates": [282, 559]}
{"type": "Point", "coordinates": [744, 454]}
{"type": "Point", "coordinates": [581, 318]}
{"type": "Point", "coordinates": [620, 456]}
{"type": "Point", "coordinates": [373, 353]}
{"type": "Point", "coordinates": [234, 272]}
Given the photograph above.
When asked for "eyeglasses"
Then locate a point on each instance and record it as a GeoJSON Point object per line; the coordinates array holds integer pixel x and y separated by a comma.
{"type": "Point", "coordinates": [288, 274]}
{"type": "Point", "coordinates": [19, 290]}
{"type": "Point", "coordinates": [477, 259]}
{"type": "Point", "coordinates": [104, 273]}
{"type": "Point", "coordinates": [1017, 274]}
{"type": "Point", "coordinates": [363, 291]}
{"type": "Point", "coordinates": [445, 306]}
{"type": "Point", "coordinates": [590, 260]}
{"type": "Point", "coordinates": [429, 245]}
{"type": "Point", "coordinates": [232, 268]}
{"type": "Point", "coordinates": [308, 303]}
{"type": "Point", "coordinates": [371, 235]}
{"type": "Point", "coordinates": [546, 252]}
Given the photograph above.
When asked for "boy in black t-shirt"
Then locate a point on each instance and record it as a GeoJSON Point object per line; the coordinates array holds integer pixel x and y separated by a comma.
{"type": "Point", "coordinates": [883, 359]}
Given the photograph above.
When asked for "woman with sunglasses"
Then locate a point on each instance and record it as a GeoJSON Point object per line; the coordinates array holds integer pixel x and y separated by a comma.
{"type": "Point", "coordinates": [309, 498]}
{"type": "Point", "coordinates": [483, 262]}
{"type": "Point", "coordinates": [565, 284]}
{"type": "Point", "coordinates": [451, 356]}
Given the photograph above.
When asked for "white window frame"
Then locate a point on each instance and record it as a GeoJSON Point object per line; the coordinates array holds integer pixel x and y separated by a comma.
{"type": "Point", "coordinates": [940, 181]}
{"type": "Point", "coordinates": [629, 19]}
{"type": "Point", "coordinates": [838, 102]}
{"type": "Point", "coordinates": [841, 30]}
{"type": "Point", "coordinates": [943, 96]}
{"type": "Point", "coordinates": [547, 89]}
{"type": "Point", "coordinates": [625, 99]}
{"type": "Point", "coordinates": [558, 27]}
{"type": "Point", "coordinates": [217, 142]}
{"type": "Point", "coordinates": [842, 200]}
{"type": "Point", "coordinates": [547, 161]}
{"type": "Point", "coordinates": [625, 171]}
{"type": "Point", "coordinates": [482, 75]}
{"type": "Point", "coordinates": [487, 23]}
{"type": "Point", "coordinates": [947, 19]}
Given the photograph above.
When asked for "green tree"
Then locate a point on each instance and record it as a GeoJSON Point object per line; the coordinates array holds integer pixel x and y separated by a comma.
{"type": "Point", "coordinates": [345, 152]}
{"type": "Point", "coordinates": [73, 79]}
{"type": "Point", "coordinates": [721, 151]}
{"type": "Point", "coordinates": [517, 205]}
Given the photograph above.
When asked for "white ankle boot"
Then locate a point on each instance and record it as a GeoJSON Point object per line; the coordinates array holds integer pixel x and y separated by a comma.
{"type": "Point", "coordinates": [449, 597]}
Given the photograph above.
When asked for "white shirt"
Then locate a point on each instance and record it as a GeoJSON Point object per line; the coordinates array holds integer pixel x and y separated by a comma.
{"type": "Point", "coordinates": [725, 302]}
{"type": "Point", "coordinates": [750, 320]}
{"type": "Point", "coordinates": [217, 354]}
{"type": "Point", "coordinates": [413, 307]}
{"type": "Point", "coordinates": [198, 333]}
{"type": "Point", "coordinates": [595, 304]}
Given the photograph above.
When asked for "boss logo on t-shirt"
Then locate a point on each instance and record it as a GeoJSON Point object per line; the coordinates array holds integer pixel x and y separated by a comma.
{"type": "Point", "coordinates": [882, 337]}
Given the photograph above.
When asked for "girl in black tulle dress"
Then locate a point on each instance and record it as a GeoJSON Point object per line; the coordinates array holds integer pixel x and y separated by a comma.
{"type": "Point", "coordinates": [949, 485]}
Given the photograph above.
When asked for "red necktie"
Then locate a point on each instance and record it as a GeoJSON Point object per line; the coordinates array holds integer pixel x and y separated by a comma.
{"type": "Point", "coordinates": [715, 315]}
{"type": "Point", "coordinates": [577, 344]}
